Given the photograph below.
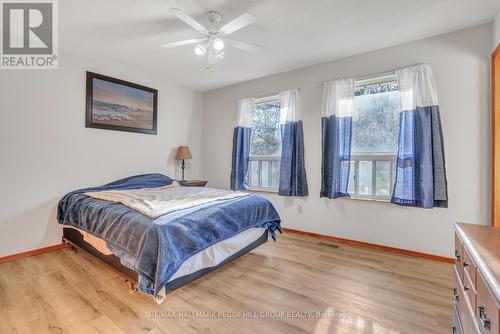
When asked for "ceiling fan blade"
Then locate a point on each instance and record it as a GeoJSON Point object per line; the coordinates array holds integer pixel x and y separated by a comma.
{"type": "Point", "coordinates": [188, 20]}
{"type": "Point", "coordinates": [184, 42]}
{"type": "Point", "coordinates": [237, 23]}
{"type": "Point", "coordinates": [243, 45]}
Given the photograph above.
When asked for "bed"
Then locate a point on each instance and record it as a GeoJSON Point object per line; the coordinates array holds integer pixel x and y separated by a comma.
{"type": "Point", "coordinates": [159, 254]}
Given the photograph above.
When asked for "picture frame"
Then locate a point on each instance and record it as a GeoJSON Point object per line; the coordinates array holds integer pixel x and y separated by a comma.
{"type": "Point", "coordinates": [115, 104]}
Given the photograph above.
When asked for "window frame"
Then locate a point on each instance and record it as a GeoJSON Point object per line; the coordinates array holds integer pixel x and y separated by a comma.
{"type": "Point", "coordinates": [261, 158]}
{"type": "Point", "coordinates": [373, 157]}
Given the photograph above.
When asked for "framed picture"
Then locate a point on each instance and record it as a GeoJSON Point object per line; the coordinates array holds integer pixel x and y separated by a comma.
{"type": "Point", "coordinates": [115, 104]}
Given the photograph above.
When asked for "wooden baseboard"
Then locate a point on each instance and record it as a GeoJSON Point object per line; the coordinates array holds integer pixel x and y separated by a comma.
{"type": "Point", "coordinates": [373, 246]}
{"type": "Point", "coordinates": [32, 253]}
{"type": "Point", "coordinates": [289, 230]}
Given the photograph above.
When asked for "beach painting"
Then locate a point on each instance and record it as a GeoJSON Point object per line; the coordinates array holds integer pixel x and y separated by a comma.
{"type": "Point", "coordinates": [120, 105]}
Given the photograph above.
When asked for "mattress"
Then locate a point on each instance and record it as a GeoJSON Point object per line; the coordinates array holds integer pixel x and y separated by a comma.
{"type": "Point", "coordinates": [214, 255]}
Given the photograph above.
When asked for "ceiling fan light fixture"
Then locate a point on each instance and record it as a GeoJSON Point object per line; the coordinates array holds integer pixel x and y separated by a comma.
{"type": "Point", "coordinates": [218, 44]}
{"type": "Point", "coordinates": [199, 50]}
{"type": "Point", "coordinates": [213, 45]}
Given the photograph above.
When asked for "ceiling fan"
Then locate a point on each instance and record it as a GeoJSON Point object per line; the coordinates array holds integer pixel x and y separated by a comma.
{"type": "Point", "coordinates": [215, 40]}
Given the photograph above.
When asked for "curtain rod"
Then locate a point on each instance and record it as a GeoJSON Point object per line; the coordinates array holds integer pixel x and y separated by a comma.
{"type": "Point", "coordinates": [378, 75]}
{"type": "Point", "coordinates": [267, 96]}
{"type": "Point", "coordinates": [272, 95]}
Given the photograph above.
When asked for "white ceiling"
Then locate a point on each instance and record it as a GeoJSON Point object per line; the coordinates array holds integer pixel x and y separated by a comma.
{"type": "Point", "coordinates": [294, 33]}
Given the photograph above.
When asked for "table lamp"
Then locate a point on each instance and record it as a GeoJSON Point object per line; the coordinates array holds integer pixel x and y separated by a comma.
{"type": "Point", "coordinates": [183, 153]}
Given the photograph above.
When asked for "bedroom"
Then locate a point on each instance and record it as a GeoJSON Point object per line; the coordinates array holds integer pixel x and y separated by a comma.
{"type": "Point", "coordinates": [347, 261]}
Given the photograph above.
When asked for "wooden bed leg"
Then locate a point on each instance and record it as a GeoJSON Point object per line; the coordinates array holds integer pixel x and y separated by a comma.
{"type": "Point", "coordinates": [132, 287]}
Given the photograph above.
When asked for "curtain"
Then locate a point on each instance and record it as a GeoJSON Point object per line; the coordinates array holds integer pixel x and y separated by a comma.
{"type": "Point", "coordinates": [420, 167]}
{"type": "Point", "coordinates": [241, 144]}
{"type": "Point", "coordinates": [336, 125]}
{"type": "Point", "coordinates": [293, 180]}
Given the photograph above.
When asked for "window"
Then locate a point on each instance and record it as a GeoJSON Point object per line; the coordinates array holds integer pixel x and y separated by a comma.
{"type": "Point", "coordinates": [375, 129]}
{"type": "Point", "coordinates": [265, 145]}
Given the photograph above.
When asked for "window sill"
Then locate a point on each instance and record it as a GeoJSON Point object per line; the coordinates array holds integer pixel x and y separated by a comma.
{"type": "Point", "coordinates": [259, 190]}
{"type": "Point", "coordinates": [367, 199]}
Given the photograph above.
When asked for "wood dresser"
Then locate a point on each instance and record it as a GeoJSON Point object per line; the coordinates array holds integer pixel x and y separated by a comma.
{"type": "Point", "coordinates": [476, 289]}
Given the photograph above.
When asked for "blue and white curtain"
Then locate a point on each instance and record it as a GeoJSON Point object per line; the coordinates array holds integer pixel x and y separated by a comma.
{"type": "Point", "coordinates": [293, 181]}
{"type": "Point", "coordinates": [241, 144]}
{"type": "Point", "coordinates": [336, 124]}
{"type": "Point", "coordinates": [420, 167]}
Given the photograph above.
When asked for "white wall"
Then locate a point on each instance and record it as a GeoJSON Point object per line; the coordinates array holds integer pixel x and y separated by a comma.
{"type": "Point", "coordinates": [461, 65]}
{"type": "Point", "coordinates": [46, 151]}
{"type": "Point", "coordinates": [496, 31]}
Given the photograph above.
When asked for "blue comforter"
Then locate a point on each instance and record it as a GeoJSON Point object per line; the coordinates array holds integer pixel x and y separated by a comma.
{"type": "Point", "coordinates": [156, 248]}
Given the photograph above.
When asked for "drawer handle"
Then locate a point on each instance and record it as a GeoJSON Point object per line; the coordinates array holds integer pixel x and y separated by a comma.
{"type": "Point", "coordinates": [485, 321]}
{"type": "Point", "coordinates": [466, 288]}
{"type": "Point", "coordinates": [457, 256]}
{"type": "Point", "coordinates": [465, 264]}
{"type": "Point", "coordinates": [456, 297]}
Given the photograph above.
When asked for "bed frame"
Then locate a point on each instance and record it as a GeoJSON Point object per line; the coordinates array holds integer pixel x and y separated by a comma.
{"type": "Point", "coordinates": [75, 239]}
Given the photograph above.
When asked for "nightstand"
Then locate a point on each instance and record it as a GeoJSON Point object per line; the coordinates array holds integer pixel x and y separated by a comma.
{"type": "Point", "coordinates": [193, 183]}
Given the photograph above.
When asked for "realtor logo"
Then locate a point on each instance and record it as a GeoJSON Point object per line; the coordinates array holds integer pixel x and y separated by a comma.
{"type": "Point", "coordinates": [29, 34]}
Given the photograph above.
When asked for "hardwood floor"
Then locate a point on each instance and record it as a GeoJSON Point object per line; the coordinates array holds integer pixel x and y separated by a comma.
{"type": "Point", "coordinates": [65, 292]}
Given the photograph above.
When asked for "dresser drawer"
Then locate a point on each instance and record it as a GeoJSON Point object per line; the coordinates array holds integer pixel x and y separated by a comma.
{"type": "Point", "coordinates": [464, 308]}
{"type": "Point", "coordinates": [470, 291]}
{"type": "Point", "coordinates": [459, 255]}
{"type": "Point", "coordinates": [487, 308]}
{"type": "Point", "coordinates": [469, 266]}
{"type": "Point", "coordinates": [457, 326]}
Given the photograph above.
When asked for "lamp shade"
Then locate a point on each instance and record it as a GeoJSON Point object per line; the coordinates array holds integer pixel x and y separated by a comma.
{"type": "Point", "coordinates": [183, 153]}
